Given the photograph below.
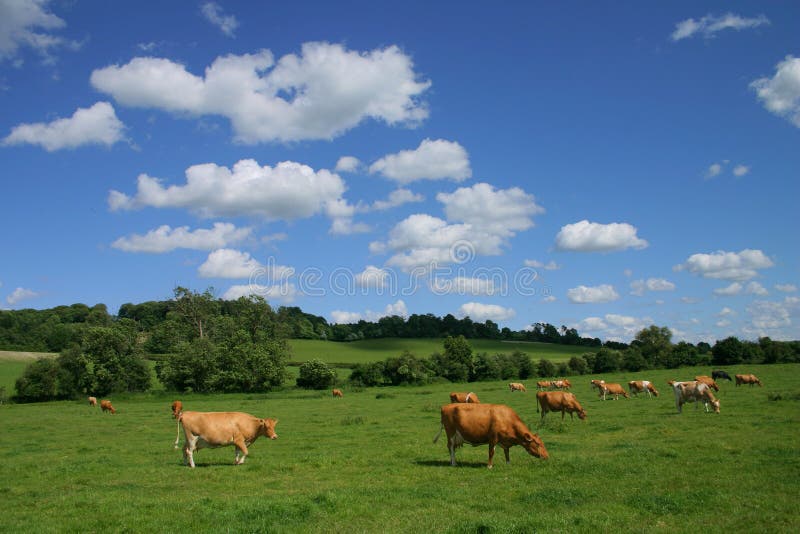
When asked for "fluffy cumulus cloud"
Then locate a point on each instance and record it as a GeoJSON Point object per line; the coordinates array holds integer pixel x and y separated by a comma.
{"type": "Point", "coordinates": [348, 317]}
{"type": "Point", "coordinates": [479, 312]}
{"type": "Point", "coordinates": [398, 197]}
{"type": "Point", "coordinates": [738, 266]}
{"type": "Point", "coordinates": [741, 170]}
{"type": "Point", "coordinates": [97, 125]}
{"type": "Point", "coordinates": [585, 236]}
{"type": "Point", "coordinates": [786, 288]}
{"type": "Point", "coordinates": [229, 263]}
{"type": "Point", "coordinates": [29, 24]}
{"type": "Point", "coordinates": [286, 191]}
{"type": "Point", "coordinates": [20, 294]}
{"type": "Point", "coordinates": [639, 287]}
{"type": "Point", "coordinates": [432, 160]}
{"type": "Point", "coordinates": [319, 94]}
{"type": "Point", "coordinates": [709, 25]}
{"type": "Point", "coordinates": [166, 239]}
{"type": "Point", "coordinates": [214, 14]}
{"type": "Point", "coordinates": [736, 288]}
{"type": "Point", "coordinates": [781, 93]}
{"type": "Point", "coordinates": [480, 221]}
{"type": "Point", "coordinates": [776, 319]}
{"type": "Point", "coordinates": [592, 295]}
{"type": "Point", "coordinates": [372, 277]}
{"type": "Point", "coordinates": [283, 292]}
{"type": "Point", "coordinates": [341, 213]}
{"type": "Point", "coordinates": [613, 327]}
{"type": "Point", "coordinates": [347, 164]}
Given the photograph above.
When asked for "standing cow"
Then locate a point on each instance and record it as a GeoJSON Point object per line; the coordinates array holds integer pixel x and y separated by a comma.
{"type": "Point", "coordinates": [337, 393]}
{"type": "Point", "coordinates": [92, 401]}
{"type": "Point", "coordinates": [642, 386]}
{"type": "Point", "coordinates": [464, 397]}
{"type": "Point", "coordinates": [615, 390]}
{"type": "Point", "coordinates": [220, 429]}
{"type": "Point", "coordinates": [720, 375]}
{"type": "Point", "coordinates": [748, 379]}
{"type": "Point", "coordinates": [495, 424]}
{"type": "Point", "coordinates": [177, 408]}
{"type": "Point", "coordinates": [694, 391]}
{"type": "Point", "coordinates": [516, 386]}
{"type": "Point", "coordinates": [106, 406]}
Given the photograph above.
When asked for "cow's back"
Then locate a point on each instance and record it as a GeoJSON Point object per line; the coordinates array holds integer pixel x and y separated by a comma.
{"type": "Point", "coordinates": [216, 428]}
{"type": "Point", "coordinates": [475, 422]}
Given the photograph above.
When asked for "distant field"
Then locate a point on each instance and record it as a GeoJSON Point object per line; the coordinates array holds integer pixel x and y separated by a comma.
{"type": "Point", "coordinates": [366, 463]}
{"type": "Point", "coordinates": [370, 350]}
{"type": "Point", "coordinates": [12, 364]}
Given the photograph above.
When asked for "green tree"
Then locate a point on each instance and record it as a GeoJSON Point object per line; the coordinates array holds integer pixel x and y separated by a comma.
{"type": "Point", "coordinates": [729, 351]}
{"type": "Point", "coordinates": [655, 345]}
{"type": "Point", "coordinates": [196, 309]}
{"type": "Point", "coordinates": [315, 374]}
{"type": "Point", "coordinates": [456, 363]}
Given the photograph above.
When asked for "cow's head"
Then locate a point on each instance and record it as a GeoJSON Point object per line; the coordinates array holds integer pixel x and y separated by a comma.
{"type": "Point", "coordinates": [535, 446]}
{"type": "Point", "coordinates": [267, 428]}
{"type": "Point", "coordinates": [715, 405]}
{"type": "Point", "coordinates": [582, 414]}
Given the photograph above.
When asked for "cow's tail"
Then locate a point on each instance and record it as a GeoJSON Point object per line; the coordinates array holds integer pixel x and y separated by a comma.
{"type": "Point", "coordinates": [439, 433]}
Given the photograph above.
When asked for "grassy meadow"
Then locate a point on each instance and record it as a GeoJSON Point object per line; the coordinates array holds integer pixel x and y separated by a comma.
{"type": "Point", "coordinates": [366, 463]}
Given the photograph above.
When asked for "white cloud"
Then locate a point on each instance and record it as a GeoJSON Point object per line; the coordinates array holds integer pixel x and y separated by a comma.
{"type": "Point", "coordinates": [28, 23]}
{"type": "Point", "coordinates": [398, 197]}
{"type": "Point", "coordinates": [432, 160]}
{"type": "Point", "coordinates": [613, 326]}
{"type": "Point", "coordinates": [500, 212]}
{"type": "Point", "coordinates": [463, 285]}
{"type": "Point", "coordinates": [20, 294]}
{"type": "Point", "coordinates": [726, 311]}
{"type": "Point", "coordinates": [723, 265]}
{"type": "Point", "coordinates": [341, 213]}
{"type": "Point", "coordinates": [480, 313]}
{"type": "Point", "coordinates": [287, 191]}
{"type": "Point", "coordinates": [711, 24]}
{"type": "Point", "coordinates": [166, 239]}
{"type": "Point", "coordinates": [690, 300]}
{"type": "Point", "coordinates": [585, 236]}
{"type": "Point", "coordinates": [786, 288]}
{"type": "Point", "coordinates": [741, 170]}
{"type": "Point", "coordinates": [97, 125]}
{"type": "Point", "coordinates": [347, 317]}
{"type": "Point", "coordinates": [714, 170]}
{"type": "Point", "coordinates": [776, 319]}
{"type": "Point", "coordinates": [734, 289]}
{"type": "Point", "coordinates": [347, 164]}
{"type": "Point", "coordinates": [638, 287]}
{"type": "Point", "coordinates": [229, 263]}
{"type": "Point", "coordinates": [213, 13]}
{"type": "Point", "coordinates": [372, 277]}
{"type": "Point", "coordinates": [549, 298]}
{"type": "Point", "coordinates": [781, 93]}
{"type": "Point", "coordinates": [549, 266]}
{"type": "Point", "coordinates": [592, 295]}
{"type": "Point", "coordinates": [283, 292]}
{"type": "Point", "coordinates": [320, 94]}
{"type": "Point", "coordinates": [754, 288]}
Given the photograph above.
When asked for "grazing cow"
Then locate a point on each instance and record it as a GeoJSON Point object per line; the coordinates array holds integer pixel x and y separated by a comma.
{"type": "Point", "coordinates": [516, 386]}
{"type": "Point", "coordinates": [92, 401]}
{"type": "Point", "coordinates": [694, 392]}
{"type": "Point", "coordinates": [616, 390]}
{"type": "Point", "coordinates": [464, 397]}
{"type": "Point", "coordinates": [597, 383]}
{"type": "Point", "coordinates": [719, 375]}
{"type": "Point", "coordinates": [337, 393]}
{"type": "Point", "coordinates": [177, 408]}
{"type": "Point", "coordinates": [543, 384]}
{"type": "Point", "coordinates": [105, 405]}
{"type": "Point", "coordinates": [748, 379]}
{"type": "Point", "coordinates": [219, 429]}
{"type": "Point", "coordinates": [559, 401]}
{"type": "Point", "coordinates": [561, 384]}
{"type": "Point", "coordinates": [494, 424]}
{"type": "Point", "coordinates": [639, 386]}
{"type": "Point", "coordinates": [707, 380]}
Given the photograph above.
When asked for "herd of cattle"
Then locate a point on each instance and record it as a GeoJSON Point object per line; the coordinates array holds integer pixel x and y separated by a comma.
{"type": "Point", "coordinates": [464, 420]}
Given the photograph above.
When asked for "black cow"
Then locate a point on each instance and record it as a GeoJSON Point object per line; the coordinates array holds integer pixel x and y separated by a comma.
{"type": "Point", "coordinates": [718, 375]}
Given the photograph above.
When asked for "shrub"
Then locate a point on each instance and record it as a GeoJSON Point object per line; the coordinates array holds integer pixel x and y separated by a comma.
{"type": "Point", "coordinates": [315, 374]}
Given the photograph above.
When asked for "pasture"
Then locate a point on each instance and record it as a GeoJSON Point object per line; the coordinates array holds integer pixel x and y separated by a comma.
{"type": "Point", "coordinates": [366, 463]}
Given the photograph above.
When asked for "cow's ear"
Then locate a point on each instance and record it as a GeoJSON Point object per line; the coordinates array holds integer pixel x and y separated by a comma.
{"type": "Point", "coordinates": [528, 436]}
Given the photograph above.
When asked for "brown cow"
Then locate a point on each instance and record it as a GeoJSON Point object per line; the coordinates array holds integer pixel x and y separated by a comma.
{"type": "Point", "coordinates": [559, 401]}
{"type": "Point", "coordinates": [543, 384]}
{"type": "Point", "coordinates": [494, 424]}
{"type": "Point", "coordinates": [92, 401]}
{"type": "Point", "coordinates": [747, 379]}
{"type": "Point", "coordinates": [608, 388]}
{"type": "Point", "coordinates": [219, 429]}
{"type": "Point", "coordinates": [464, 397]}
{"type": "Point", "coordinates": [337, 393]}
{"type": "Point", "coordinates": [561, 384]}
{"type": "Point", "coordinates": [105, 405]}
{"type": "Point", "coordinates": [597, 383]}
{"type": "Point", "coordinates": [516, 386]}
{"type": "Point", "coordinates": [707, 380]}
{"type": "Point", "coordinates": [642, 386]}
{"type": "Point", "coordinates": [694, 391]}
{"type": "Point", "coordinates": [177, 408]}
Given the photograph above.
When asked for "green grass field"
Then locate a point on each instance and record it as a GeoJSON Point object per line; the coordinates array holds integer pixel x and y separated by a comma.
{"type": "Point", "coordinates": [370, 350]}
{"type": "Point", "coordinates": [366, 463]}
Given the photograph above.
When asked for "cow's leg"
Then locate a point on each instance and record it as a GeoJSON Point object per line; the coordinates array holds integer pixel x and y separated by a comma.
{"type": "Point", "coordinates": [241, 451]}
{"type": "Point", "coordinates": [562, 415]}
{"type": "Point", "coordinates": [188, 450]}
{"type": "Point", "coordinates": [505, 450]}
{"type": "Point", "coordinates": [492, 445]}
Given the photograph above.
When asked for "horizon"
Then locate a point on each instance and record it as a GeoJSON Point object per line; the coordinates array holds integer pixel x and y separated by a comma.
{"type": "Point", "coordinates": [634, 165]}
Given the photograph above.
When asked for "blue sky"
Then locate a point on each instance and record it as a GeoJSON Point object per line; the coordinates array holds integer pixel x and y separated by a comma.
{"type": "Point", "coordinates": [604, 166]}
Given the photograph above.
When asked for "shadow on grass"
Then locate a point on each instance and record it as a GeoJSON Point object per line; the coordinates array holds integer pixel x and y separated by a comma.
{"type": "Point", "coordinates": [446, 463]}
